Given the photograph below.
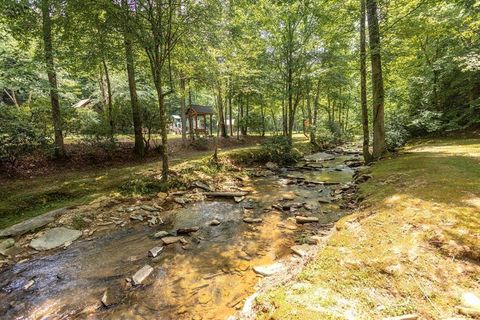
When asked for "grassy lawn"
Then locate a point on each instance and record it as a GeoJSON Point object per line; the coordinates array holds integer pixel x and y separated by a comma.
{"type": "Point", "coordinates": [413, 246]}
{"type": "Point", "coordinates": [25, 198]}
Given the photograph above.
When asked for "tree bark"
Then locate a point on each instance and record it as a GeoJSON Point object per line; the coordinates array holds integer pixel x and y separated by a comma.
{"type": "Point", "coordinates": [52, 79]}
{"type": "Point", "coordinates": [379, 146]}
{"type": "Point", "coordinates": [363, 84]}
{"type": "Point", "coordinates": [183, 108]}
{"type": "Point", "coordinates": [230, 112]}
{"type": "Point", "coordinates": [137, 116]}
{"type": "Point", "coordinates": [110, 100]}
{"type": "Point", "coordinates": [221, 118]}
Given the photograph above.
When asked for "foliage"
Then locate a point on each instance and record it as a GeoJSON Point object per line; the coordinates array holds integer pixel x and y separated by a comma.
{"type": "Point", "coordinates": [279, 149]}
{"type": "Point", "coordinates": [18, 135]}
{"type": "Point", "coordinates": [143, 186]}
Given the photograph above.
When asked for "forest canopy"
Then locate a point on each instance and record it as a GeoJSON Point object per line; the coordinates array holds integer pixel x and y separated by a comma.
{"type": "Point", "coordinates": [94, 70]}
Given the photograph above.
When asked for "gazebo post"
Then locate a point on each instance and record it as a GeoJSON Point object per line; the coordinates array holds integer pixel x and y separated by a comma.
{"type": "Point", "coordinates": [190, 125]}
{"type": "Point", "coordinates": [205, 124]}
{"type": "Point", "coordinates": [211, 126]}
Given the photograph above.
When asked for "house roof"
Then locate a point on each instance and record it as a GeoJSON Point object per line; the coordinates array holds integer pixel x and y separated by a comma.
{"type": "Point", "coordinates": [200, 109]}
{"type": "Point", "coordinates": [81, 103]}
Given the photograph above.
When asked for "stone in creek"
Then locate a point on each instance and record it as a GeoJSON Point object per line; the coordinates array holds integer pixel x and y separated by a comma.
{"type": "Point", "coordinates": [180, 200]}
{"type": "Point", "coordinates": [54, 238]}
{"type": "Point", "coordinates": [324, 200]}
{"type": "Point", "coordinates": [201, 185]}
{"type": "Point", "coordinates": [288, 196]}
{"type": "Point", "coordinates": [250, 204]}
{"type": "Point", "coordinates": [160, 234]}
{"type": "Point", "coordinates": [149, 208]}
{"type": "Point", "coordinates": [214, 222]}
{"type": "Point", "coordinates": [162, 196]}
{"type": "Point", "coordinates": [142, 274]}
{"type": "Point", "coordinates": [289, 205]}
{"type": "Point", "coordinates": [110, 297]}
{"type": "Point", "coordinates": [28, 285]}
{"type": "Point", "coordinates": [320, 156]}
{"type": "Point", "coordinates": [301, 250]}
{"type": "Point", "coordinates": [268, 270]}
{"type": "Point", "coordinates": [152, 221]}
{"type": "Point", "coordinates": [187, 230]}
{"type": "Point", "coordinates": [238, 199]}
{"type": "Point", "coordinates": [137, 218]}
{"type": "Point", "coordinates": [301, 219]}
{"type": "Point", "coordinates": [5, 245]}
{"type": "Point", "coordinates": [170, 240]}
{"type": "Point", "coordinates": [314, 240]}
{"type": "Point", "coordinates": [252, 220]}
{"type": "Point", "coordinates": [155, 251]}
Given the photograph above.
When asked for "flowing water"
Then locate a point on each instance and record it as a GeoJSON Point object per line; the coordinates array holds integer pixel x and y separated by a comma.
{"type": "Point", "coordinates": [209, 278]}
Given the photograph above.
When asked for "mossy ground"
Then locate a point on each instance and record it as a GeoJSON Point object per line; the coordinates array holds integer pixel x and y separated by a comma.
{"type": "Point", "coordinates": [412, 247]}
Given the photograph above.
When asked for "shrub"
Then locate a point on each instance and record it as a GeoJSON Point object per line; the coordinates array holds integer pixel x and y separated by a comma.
{"type": "Point", "coordinates": [396, 133]}
{"type": "Point", "coordinates": [279, 149]}
{"type": "Point", "coordinates": [95, 131]}
{"type": "Point", "coordinates": [18, 136]}
{"type": "Point", "coordinates": [143, 186]}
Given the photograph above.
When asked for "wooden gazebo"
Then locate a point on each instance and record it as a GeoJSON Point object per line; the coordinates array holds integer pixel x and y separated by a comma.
{"type": "Point", "coordinates": [195, 111]}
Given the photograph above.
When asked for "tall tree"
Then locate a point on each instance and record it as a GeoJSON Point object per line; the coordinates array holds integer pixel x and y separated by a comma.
{"type": "Point", "coordinates": [363, 84]}
{"type": "Point", "coordinates": [52, 77]}
{"type": "Point", "coordinates": [379, 146]}
{"type": "Point", "coordinates": [139, 147]}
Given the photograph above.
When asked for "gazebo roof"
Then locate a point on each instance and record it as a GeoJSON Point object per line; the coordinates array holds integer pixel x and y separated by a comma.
{"type": "Point", "coordinates": [199, 110]}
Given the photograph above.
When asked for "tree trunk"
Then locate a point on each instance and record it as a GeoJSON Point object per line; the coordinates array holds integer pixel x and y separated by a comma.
{"type": "Point", "coordinates": [230, 112]}
{"type": "Point", "coordinates": [221, 118]}
{"type": "Point", "coordinates": [363, 84]}
{"type": "Point", "coordinates": [183, 109]}
{"type": "Point", "coordinates": [163, 129]}
{"type": "Point", "coordinates": [110, 100]}
{"type": "Point", "coordinates": [137, 116]}
{"type": "Point", "coordinates": [262, 111]}
{"type": "Point", "coordinates": [239, 103]}
{"type": "Point", "coordinates": [52, 79]}
{"type": "Point", "coordinates": [379, 146]}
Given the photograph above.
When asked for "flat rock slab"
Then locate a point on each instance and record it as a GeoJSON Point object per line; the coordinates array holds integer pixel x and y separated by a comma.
{"type": "Point", "coordinates": [268, 270]}
{"type": "Point", "coordinates": [155, 251]}
{"type": "Point", "coordinates": [54, 238]}
{"type": "Point", "coordinates": [301, 250]}
{"type": "Point", "coordinates": [31, 224]}
{"type": "Point", "coordinates": [252, 220]}
{"type": "Point", "coordinates": [142, 274]}
{"type": "Point", "coordinates": [320, 156]}
{"type": "Point", "coordinates": [170, 240]}
{"type": "Point", "coordinates": [160, 234]}
{"type": "Point", "coordinates": [301, 219]}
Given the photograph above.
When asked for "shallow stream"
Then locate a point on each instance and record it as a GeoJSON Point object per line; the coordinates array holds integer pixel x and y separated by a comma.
{"type": "Point", "coordinates": [209, 278]}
